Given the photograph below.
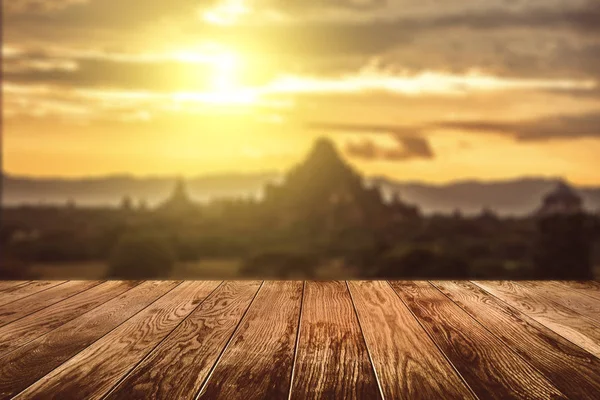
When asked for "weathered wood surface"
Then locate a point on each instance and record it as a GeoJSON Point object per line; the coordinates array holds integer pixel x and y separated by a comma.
{"type": "Point", "coordinates": [297, 340]}
{"type": "Point", "coordinates": [37, 301]}
{"type": "Point", "coordinates": [332, 361]}
{"type": "Point", "coordinates": [575, 372]}
{"type": "Point", "coordinates": [18, 333]}
{"type": "Point", "coordinates": [490, 368]}
{"type": "Point", "coordinates": [566, 297]}
{"type": "Point", "coordinates": [408, 363]}
{"type": "Point", "coordinates": [9, 284]}
{"type": "Point", "coordinates": [265, 341]}
{"type": "Point", "coordinates": [24, 366]}
{"type": "Point", "coordinates": [562, 320]}
{"type": "Point", "coordinates": [112, 356]}
{"type": "Point", "coordinates": [179, 365]}
{"type": "Point", "coordinates": [590, 288]}
{"type": "Point", "coordinates": [14, 293]}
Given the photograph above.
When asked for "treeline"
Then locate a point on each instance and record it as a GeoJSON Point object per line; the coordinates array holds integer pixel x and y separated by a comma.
{"type": "Point", "coordinates": [148, 245]}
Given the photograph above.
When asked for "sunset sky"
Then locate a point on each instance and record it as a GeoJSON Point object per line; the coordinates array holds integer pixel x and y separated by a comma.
{"type": "Point", "coordinates": [428, 90]}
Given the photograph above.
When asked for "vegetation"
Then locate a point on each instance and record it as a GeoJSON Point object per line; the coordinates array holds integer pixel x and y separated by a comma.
{"type": "Point", "coordinates": [432, 247]}
{"type": "Point", "coordinates": [141, 256]}
{"type": "Point", "coordinates": [321, 215]}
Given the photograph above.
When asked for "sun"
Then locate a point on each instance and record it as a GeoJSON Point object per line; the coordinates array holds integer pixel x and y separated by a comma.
{"type": "Point", "coordinates": [225, 72]}
{"type": "Point", "coordinates": [224, 87]}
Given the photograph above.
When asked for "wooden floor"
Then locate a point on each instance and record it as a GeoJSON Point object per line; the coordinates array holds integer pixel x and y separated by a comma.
{"type": "Point", "coordinates": [299, 340]}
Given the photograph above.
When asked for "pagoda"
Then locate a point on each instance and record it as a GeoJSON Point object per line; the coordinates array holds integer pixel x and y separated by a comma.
{"type": "Point", "coordinates": [326, 192]}
{"type": "Point", "coordinates": [179, 202]}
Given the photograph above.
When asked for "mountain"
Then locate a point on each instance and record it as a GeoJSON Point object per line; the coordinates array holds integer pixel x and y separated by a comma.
{"type": "Point", "coordinates": [508, 197]}
{"type": "Point", "coordinates": [517, 197]}
{"type": "Point", "coordinates": [110, 190]}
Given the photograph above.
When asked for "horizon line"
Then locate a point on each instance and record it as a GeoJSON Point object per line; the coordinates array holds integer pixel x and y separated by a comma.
{"type": "Point", "coordinates": [128, 175]}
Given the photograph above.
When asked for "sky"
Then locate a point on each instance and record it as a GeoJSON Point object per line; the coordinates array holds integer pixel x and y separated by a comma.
{"type": "Point", "coordinates": [417, 90]}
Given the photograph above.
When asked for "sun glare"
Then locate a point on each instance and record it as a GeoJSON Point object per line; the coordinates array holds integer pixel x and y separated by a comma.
{"type": "Point", "coordinates": [226, 13]}
{"type": "Point", "coordinates": [225, 87]}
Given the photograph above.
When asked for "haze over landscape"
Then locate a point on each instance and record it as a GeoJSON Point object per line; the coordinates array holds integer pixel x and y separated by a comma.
{"type": "Point", "coordinates": [428, 91]}
{"type": "Point", "coordinates": [510, 197]}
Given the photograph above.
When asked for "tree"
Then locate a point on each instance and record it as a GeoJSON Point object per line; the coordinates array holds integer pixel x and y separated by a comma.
{"type": "Point", "coordinates": [563, 247]}
{"type": "Point", "coordinates": [141, 256]}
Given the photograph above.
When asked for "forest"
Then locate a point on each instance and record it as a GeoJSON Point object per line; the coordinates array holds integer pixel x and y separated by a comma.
{"type": "Point", "coordinates": [321, 215]}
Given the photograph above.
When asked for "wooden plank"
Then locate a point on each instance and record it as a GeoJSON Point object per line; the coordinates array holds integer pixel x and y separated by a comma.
{"type": "Point", "coordinates": [590, 288]}
{"type": "Point", "coordinates": [24, 366]}
{"type": "Point", "coordinates": [574, 371]}
{"type": "Point", "coordinates": [10, 284]}
{"type": "Point", "coordinates": [177, 368]}
{"type": "Point", "coordinates": [18, 333]}
{"type": "Point", "coordinates": [94, 371]}
{"type": "Point", "coordinates": [492, 370]}
{"type": "Point", "coordinates": [257, 364]}
{"type": "Point", "coordinates": [17, 309]}
{"type": "Point", "coordinates": [554, 291]}
{"type": "Point", "coordinates": [15, 293]}
{"type": "Point", "coordinates": [408, 363]}
{"type": "Point", "coordinates": [562, 320]}
{"type": "Point", "coordinates": [332, 360]}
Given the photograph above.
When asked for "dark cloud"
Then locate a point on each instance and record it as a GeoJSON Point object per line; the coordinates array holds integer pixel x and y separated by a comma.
{"type": "Point", "coordinates": [570, 126]}
{"type": "Point", "coordinates": [397, 130]}
{"type": "Point", "coordinates": [296, 5]}
{"type": "Point", "coordinates": [38, 6]}
{"type": "Point", "coordinates": [159, 75]}
{"type": "Point", "coordinates": [373, 36]}
{"type": "Point", "coordinates": [94, 13]}
{"type": "Point", "coordinates": [552, 127]}
{"type": "Point", "coordinates": [407, 148]}
{"type": "Point", "coordinates": [442, 40]}
{"type": "Point", "coordinates": [409, 144]}
{"type": "Point", "coordinates": [416, 147]}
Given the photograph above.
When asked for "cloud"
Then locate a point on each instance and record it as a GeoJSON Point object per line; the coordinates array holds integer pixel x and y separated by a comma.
{"type": "Point", "coordinates": [195, 70]}
{"type": "Point", "coordinates": [166, 75]}
{"type": "Point", "coordinates": [585, 125]}
{"type": "Point", "coordinates": [39, 6]}
{"type": "Point", "coordinates": [369, 36]}
{"type": "Point", "coordinates": [520, 39]}
{"type": "Point", "coordinates": [408, 143]}
{"type": "Point", "coordinates": [397, 130]}
{"type": "Point", "coordinates": [407, 148]}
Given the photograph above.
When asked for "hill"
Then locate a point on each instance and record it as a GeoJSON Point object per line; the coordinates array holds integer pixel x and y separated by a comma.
{"type": "Point", "coordinates": [519, 196]}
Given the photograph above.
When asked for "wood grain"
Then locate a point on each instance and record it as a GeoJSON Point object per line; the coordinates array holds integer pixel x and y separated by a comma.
{"type": "Point", "coordinates": [590, 288]}
{"type": "Point", "coordinates": [177, 368]}
{"type": "Point", "coordinates": [408, 363]}
{"type": "Point", "coordinates": [257, 364]}
{"type": "Point", "coordinates": [24, 366]}
{"type": "Point", "coordinates": [554, 291]}
{"type": "Point", "coordinates": [95, 370]}
{"type": "Point", "coordinates": [365, 339]}
{"type": "Point", "coordinates": [575, 372]}
{"type": "Point", "coordinates": [332, 361]}
{"type": "Point", "coordinates": [20, 308]}
{"type": "Point", "coordinates": [18, 333]}
{"type": "Point", "coordinates": [15, 293]}
{"type": "Point", "coordinates": [560, 319]}
{"type": "Point", "coordinates": [492, 370]}
{"type": "Point", "coordinates": [9, 284]}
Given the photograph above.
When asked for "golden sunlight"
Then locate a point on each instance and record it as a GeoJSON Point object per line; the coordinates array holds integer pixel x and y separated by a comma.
{"type": "Point", "coordinates": [226, 13]}
{"type": "Point", "coordinates": [225, 87]}
{"type": "Point", "coordinates": [423, 83]}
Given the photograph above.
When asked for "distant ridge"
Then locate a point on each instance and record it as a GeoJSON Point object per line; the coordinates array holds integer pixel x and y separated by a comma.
{"type": "Point", "coordinates": [516, 196]}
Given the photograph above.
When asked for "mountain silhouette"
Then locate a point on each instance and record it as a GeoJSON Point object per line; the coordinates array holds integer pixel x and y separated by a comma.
{"type": "Point", "coordinates": [516, 196]}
